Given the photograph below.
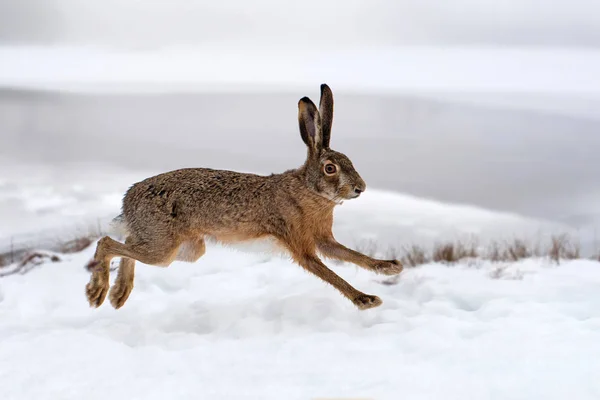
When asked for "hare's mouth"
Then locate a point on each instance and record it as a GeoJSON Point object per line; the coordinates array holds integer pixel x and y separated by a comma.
{"type": "Point", "coordinates": [353, 195]}
{"type": "Point", "coordinates": [340, 200]}
{"type": "Point", "coordinates": [349, 195]}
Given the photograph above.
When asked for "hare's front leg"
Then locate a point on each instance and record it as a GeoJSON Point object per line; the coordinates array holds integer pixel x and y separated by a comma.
{"type": "Point", "coordinates": [332, 249]}
{"type": "Point", "coordinates": [314, 265]}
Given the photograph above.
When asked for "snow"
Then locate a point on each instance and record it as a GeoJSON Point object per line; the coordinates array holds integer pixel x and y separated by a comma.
{"type": "Point", "coordinates": [243, 325]}
{"type": "Point", "coordinates": [41, 204]}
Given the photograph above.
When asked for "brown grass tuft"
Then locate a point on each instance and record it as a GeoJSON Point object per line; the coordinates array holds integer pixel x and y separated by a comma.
{"type": "Point", "coordinates": [30, 261]}
{"type": "Point", "coordinates": [414, 256]}
{"type": "Point", "coordinates": [75, 245]}
{"type": "Point", "coordinates": [444, 252]}
{"type": "Point", "coordinates": [494, 253]}
{"type": "Point", "coordinates": [453, 252]}
{"type": "Point", "coordinates": [562, 247]}
{"type": "Point", "coordinates": [517, 250]}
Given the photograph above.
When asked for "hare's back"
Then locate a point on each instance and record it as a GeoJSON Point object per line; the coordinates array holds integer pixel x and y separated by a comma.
{"type": "Point", "coordinates": [186, 195]}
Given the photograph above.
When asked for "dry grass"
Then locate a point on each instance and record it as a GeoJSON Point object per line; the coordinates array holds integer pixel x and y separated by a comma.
{"type": "Point", "coordinates": [12, 256]}
{"type": "Point", "coordinates": [517, 250]}
{"type": "Point", "coordinates": [367, 247]}
{"type": "Point", "coordinates": [23, 256]}
{"type": "Point", "coordinates": [30, 261]}
{"type": "Point", "coordinates": [512, 251]}
{"type": "Point", "coordinates": [76, 245]}
{"type": "Point", "coordinates": [452, 252]}
{"type": "Point", "coordinates": [563, 248]}
{"type": "Point", "coordinates": [560, 247]}
{"type": "Point", "coordinates": [414, 256]}
{"type": "Point", "coordinates": [8, 257]}
{"type": "Point", "coordinates": [79, 240]}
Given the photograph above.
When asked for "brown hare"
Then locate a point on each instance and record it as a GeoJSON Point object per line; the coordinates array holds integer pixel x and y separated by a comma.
{"type": "Point", "coordinates": [167, 217]}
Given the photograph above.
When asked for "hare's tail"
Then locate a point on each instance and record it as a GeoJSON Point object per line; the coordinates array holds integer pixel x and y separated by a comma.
{"type": "Point", "coordinates": [118, 226]}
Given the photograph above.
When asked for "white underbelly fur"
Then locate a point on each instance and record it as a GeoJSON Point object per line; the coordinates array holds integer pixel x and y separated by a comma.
{"type": "Point", "coordinates": [267, 246]}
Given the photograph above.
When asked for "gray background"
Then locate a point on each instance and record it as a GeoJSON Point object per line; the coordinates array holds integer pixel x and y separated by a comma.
{"type": "Point", "coordinates": [146, 24]}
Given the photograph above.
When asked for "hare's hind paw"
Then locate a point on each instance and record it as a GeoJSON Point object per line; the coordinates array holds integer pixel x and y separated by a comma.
{"type": "Point", "coordinates": [119, 293]}
{"type": "Point", "coordinates": [389, 267]}
{"type": "Point", "coordinates": [96, 293]}
{"type": "Point", "coordinates": [366, 301]}
{"type": "Point", "coordinates": [97, 288]}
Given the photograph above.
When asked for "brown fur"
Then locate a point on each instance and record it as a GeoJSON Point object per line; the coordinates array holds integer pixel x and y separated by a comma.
{"type": "Point", "coordinates": [168, 216]}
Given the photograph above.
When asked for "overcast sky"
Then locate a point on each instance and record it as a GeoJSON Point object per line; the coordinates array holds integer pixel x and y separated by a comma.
{"type": "Point", "coordinates": [152, 23]}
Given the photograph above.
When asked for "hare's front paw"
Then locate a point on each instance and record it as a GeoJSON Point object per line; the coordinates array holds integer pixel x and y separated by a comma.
{"type": "Point", "coordinates": [366, 301]}
{"type": "Point", "coordinates": [389, 267]}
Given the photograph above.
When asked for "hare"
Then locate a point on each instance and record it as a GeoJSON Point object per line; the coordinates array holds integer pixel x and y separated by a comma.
{"type": "Point", "coordinates": [167, 217]}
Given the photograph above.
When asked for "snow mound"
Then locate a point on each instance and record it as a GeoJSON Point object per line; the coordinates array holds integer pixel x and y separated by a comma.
{"type": "Point", "coordinates": [236, 325]}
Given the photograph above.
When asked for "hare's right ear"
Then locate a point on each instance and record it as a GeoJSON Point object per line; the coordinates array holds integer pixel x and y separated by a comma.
{"type": "Point", "coordinates": [326, 113]}
{"type": "Point", "coordinates": [309, 121]}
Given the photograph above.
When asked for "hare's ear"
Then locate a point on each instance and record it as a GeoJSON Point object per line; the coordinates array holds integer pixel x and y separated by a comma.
{"type": "Point", "coordinates": [326, 112]}
{"type": "Point", "coordinates": [310, 125]}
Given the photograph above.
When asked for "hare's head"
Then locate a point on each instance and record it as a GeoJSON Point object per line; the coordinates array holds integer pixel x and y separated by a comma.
{"type": "Point", "coordinates": [328, 172]}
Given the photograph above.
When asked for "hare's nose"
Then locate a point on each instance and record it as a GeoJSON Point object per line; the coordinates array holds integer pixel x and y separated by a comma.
{"type": "Point", "coordinates": [359, 186]}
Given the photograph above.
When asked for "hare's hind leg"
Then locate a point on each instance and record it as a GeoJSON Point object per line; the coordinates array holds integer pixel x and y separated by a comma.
{"type": "Point", "coordinates": [159, 251]}
{"type": "Point", "coordinates": [119, 293]}
{"type": "Point", "coordinates": [189, 251]}
{"type": "Point", "coordinates": [97, 288]}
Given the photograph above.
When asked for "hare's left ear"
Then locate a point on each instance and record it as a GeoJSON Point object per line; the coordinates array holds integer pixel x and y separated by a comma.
{"type": "Point", "coordinates": [326, 112]}
{"type": "Point", "coordinates": [310, 125]}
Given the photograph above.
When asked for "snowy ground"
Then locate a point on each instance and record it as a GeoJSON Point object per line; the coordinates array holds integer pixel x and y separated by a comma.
{"type": "Point", "coordinates": [236, 325]}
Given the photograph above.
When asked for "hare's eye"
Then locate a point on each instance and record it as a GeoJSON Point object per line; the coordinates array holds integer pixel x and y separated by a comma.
{"type": "Point", "coordinates": [330, 169]}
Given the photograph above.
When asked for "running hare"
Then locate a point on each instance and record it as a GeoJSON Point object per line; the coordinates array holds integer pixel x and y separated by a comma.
{"type": "Point", "coordinates": [167, 217]}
